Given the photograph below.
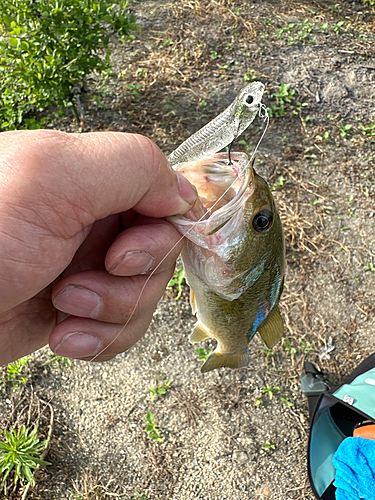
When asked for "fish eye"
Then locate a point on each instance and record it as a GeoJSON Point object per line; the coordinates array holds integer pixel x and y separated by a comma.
{"type": "Point", "coordinates": [262, 221]}
{"type": "Point", "coordinates": [249, 99]}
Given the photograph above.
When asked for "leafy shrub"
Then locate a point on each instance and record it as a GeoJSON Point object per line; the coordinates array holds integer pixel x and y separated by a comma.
{"type": "Point", "coordinates": [48, 46]}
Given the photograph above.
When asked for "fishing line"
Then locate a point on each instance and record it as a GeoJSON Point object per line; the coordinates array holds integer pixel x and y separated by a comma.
{"type": "Point", "coordinates": [263, 114]}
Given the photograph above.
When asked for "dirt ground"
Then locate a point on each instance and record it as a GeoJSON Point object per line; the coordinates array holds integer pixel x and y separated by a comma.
{"type": "Point", "coordinates": [223, 436]}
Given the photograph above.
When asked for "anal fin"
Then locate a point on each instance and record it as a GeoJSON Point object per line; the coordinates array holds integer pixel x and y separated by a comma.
{"type": "Point", "coordinates": [271, 330]}
{"type": "Point", "coordinates": [199, 333]}
{"type": "Point", "coordinates": [231, 360]}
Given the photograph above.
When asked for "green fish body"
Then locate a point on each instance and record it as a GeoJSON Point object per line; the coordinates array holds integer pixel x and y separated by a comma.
{"type": "Point", "coordinates": [234, 258]}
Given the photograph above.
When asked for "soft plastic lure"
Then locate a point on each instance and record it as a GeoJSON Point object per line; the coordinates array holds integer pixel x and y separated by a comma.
{"type": "Point", "coordinates": [223, 129]}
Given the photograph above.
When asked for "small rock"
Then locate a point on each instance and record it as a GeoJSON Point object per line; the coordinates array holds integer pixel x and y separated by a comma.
{"type": "Point", "coordinates": [240, 456]}
{"type": "Point", "coordinates": [264, 493]}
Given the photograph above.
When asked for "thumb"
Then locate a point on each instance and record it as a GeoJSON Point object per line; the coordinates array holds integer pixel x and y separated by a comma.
{"type": "Point", "coordinates": [94, 175]}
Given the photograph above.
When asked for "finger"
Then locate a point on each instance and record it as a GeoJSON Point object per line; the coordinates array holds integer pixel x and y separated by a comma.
{"type": "Point", "coordinates": [98, 295]}
{"type": "Point", "coordinates": [26, 328]}
{"type": "Point", "coordinates": [92, 252]}
{"type": "Point", "coordinates": [151, 244]}
{"type": "Point", "coordinates": [96, 341]}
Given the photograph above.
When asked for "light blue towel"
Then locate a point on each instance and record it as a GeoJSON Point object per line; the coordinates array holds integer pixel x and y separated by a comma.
{"type": "Point", "coordinates": [355, 469]}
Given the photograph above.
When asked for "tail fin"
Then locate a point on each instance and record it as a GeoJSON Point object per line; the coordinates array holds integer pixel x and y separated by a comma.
{"type": "Point", "coordinates": [231, 360]}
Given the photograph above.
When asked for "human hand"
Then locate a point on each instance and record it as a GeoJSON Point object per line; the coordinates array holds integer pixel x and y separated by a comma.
{"type": "Point", "coordinates": [71, 208]}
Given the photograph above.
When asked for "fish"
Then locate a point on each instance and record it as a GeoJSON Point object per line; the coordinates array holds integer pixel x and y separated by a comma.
{"type": "Point", "coordinates": [234, 254]}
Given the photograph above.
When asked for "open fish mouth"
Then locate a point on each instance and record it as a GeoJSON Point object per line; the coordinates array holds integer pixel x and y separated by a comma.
{"type": "Point", "coordinates": [223, 188]}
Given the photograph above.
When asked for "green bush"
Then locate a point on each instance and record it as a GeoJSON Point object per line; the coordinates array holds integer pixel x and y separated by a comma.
{"type": "Point", "coordinates": [49, 46]}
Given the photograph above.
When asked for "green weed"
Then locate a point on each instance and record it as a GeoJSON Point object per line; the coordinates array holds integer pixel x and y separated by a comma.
{"type": "Point", "coordinates": [215, 55]}
{"type": "Point", "coordinates": [20, 452]}
{"type": "Point", "coordinates": [369, 267]}
{"type": "Point", "coordinates": [289, 348]}
{"type": "Point", "coordinates": [159, 390]}
{"type": "Point", "coordinates": [344, 129]}
{"type": "Point", "coordinates": [177, 280]}
{"type": "Point", "coordinates": [13, 373]}
{"type": "Point", "coordinates": [280, 182]}
{"type": "Point", "coordinates": [268, 446]}
{"type": "Point", "coordinates": [284, 96]}
{"type": "Point", "coordinates": [138, 496]}
{"type": "Point", "coordinates": [286, 401]}
{"type": "Point", "coordinates": [134, 88]}
{"type": "Point", "coordinates": [48, 47]}
{"type": "Point", "coordinates": [297, 32]}
{"type": "Point", "coordinates": [306, 346]}
{"type": "Point", "coordinates": [269, 390]}
{"type": "Point", "coordinates": [247, 145]}
{"type": "Point", "coordinates": [297, 109]}
{"type": "Point", "coordinates": [338, 27]}
{"type": "Point", "coordinates": [250, 76]}
{"type": "Point", "coordinates": [152, 431]}
{"type": "Point", "coordinates": [58, 360]}
{"type": "Point", "coordinates": [268, 353]}
{"type": "Point", "coordinates": [203, 354]}
{"type": "Point", "coordinates": [369, 131]}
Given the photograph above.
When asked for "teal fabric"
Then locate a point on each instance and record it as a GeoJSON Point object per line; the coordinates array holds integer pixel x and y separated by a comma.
{"type": "Point", "coordinates": [325, 439]}
{"type": "Point", "coordinates": [362, 390]}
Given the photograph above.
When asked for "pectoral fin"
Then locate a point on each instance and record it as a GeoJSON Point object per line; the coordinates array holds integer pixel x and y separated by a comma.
{"type": "Point", "coordinates": [271, 330]}
{"type": "Point", "coordinates": [199, 333]}
{"type": "Point", "coordinates": [231, 360]}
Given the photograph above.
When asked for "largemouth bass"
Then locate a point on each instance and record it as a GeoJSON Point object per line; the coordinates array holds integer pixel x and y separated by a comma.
{"type": "Point", "coordinates": [234, 254]}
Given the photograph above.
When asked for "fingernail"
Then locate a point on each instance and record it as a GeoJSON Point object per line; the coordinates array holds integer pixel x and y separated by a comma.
{"type": "Point", "coordinates": [133, 263]}
{"type": "Point", "coordinates": [186, 190]}
{"type": "Point", "coordinates": [78, 345]}
{"type": "Point", "coordinates": [79, 301]}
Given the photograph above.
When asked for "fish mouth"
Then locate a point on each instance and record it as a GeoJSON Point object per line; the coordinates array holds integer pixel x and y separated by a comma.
{"type": "Point", "coordinates": [221, 188]}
